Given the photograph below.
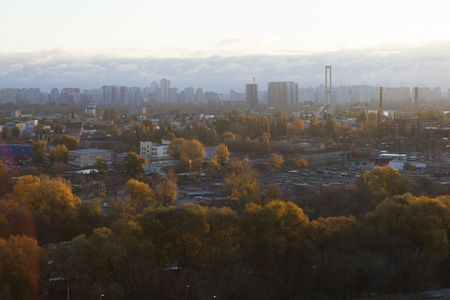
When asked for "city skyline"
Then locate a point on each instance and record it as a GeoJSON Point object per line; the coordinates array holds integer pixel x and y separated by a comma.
{"type": "Point", "coordinates": [220, 45]}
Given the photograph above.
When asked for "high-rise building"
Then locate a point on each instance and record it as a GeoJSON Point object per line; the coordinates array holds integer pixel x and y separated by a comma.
{"type": "Point", "coordinates": [135, 97]}
{"type": "Point", "coordinates": [107, 95]}
{"type": "Point", "coordinates": [251, 95]}
{"type": "Point", "coordinates": [164, 85]}
{"type": "Point", "coordinates": [283, 93]}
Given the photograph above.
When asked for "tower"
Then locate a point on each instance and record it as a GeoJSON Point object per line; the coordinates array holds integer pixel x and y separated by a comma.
{"type": "Point", "coordinates": [327, 89]}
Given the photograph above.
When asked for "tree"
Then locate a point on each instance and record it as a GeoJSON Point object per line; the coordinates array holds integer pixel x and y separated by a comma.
{"type": "Point", "coordinates": [4, 178]}
{"type": "Point", "coordinates": [194, 149]}
{"type": "Point", "coordinates": [6, 133]}
{"type": "Point", "coordinates": [57, 129]}
{"type": "Point", "coordinates": [134, 164]}
{"type": "Point", "coordinates": [241, 184]}
{"type": "Point", "coordinates": [302, 163]}
{"type": "Point", "coordinates": [140, 193]}
{"type": "Point", "coordinates": [385, 179]}
{"type": "Point", "coordinates": [101, 165]}
{"type": "Point", "coordinates": [167, 190]}
{"type": "Point", "coordinates": [362, 118]}
{"type": "Point", "coordinates": [16, 132]}
{"type": "Point", "coordinates": [297, 127]}
{"type": "Point", "coordinates": [275, 162]}
{"type": "Point", "coordinates": [228, 137]}
{"type": "Point", "coordinates": [71, 142]}
{"type": "Point", "coordinates": [51, 201]}
{"type": "Point", "coordinates": [410, 234]}
{"type": "Point", "coordinates": [176, 147]}
{"type": "Point", "coordinates": [222, 154]}
{"type": "Point", "coordinates": [39, 149]}
{"type": "Point", "coordinates": [266, 140]}
{"type": "Point", "coordinates": [58, 154]}
{"type": "Point", "coordinates": [113, 130]}
{"type": "Point", "coordinates": [19, 273]}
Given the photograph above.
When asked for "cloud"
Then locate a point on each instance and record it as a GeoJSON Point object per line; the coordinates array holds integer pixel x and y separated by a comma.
{"type": "Point", "coordinates": [388, 65]}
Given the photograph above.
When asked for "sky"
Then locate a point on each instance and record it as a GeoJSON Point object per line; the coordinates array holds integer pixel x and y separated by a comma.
{"type": "Point", "coordinates": [220, 45]}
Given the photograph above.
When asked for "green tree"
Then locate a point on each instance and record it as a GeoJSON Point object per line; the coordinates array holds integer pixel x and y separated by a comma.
{"type": "Point", "coordinates": [362, 118]}
{"type": "Point", "coordinates": [6, 133]}
{"type": "Point", "coordinates": [58, 154]}
{"type": "Point", "coordinates": [39, 149]}
{"type": "Point", "coordinates": [71, 142]}
{"type": "Point", "coordinates": [222, 154]}
{"type": "Point", "coordinates": [16, 132]}
{"type": "Point", "coordinates": [101, 165]}
{"type": "Point", "coordinates": [57, 129]}
{"type": "Point", "coordinates": [134, 164]}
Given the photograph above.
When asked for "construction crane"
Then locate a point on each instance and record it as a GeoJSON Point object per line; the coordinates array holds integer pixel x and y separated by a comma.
{"type": "Point", "coordinates": [254, 79]}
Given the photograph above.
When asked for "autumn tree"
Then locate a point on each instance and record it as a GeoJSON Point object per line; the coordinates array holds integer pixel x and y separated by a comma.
{"type": "Point", "coordinates": [275, 162]}
{"type": "Point", "coordinates": [222, 154]}
{"type": "Point", "coordinates": [301, 163]}
{"type": "Point", "coordinates": [141, 194]}
{"type": "Point", "coordinates": [176, 147]}
{"type": "Point", "coordinates": [386, 179]}
{"type": "Point", "coordinates": [51, 201]}
{"type": "Point", "coordinates": [113, 130]}
{"type": "Point", "coordinates": [194, 150]}
{"type": "Point", "coordinates": [58, 154]}
{"type": "Point", "coordinates": [167, 190]}
{"type": "Point", "coordinates": [19, 263]}
{"type": "Point", "coordinates": [4, 178]}
{"type": "Point", "coordinates": [275, 236]}
{"type": "Point", "coordinates": [410, 234]}
{"type": "Point", "coordinates": [241, 184]}
{"type": "Point", "coordinates": [297, 127]}
{"type": "Point", "coordinates": [70, 142]}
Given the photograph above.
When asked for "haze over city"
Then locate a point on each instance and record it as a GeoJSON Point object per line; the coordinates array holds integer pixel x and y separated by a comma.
{"type": "Point", "coordinates": [219, 46]}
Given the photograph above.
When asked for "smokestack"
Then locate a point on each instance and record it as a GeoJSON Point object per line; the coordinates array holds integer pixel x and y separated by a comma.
{"type": "Point", "coordinates": [416, 98]}
{"type": "Point", "coordinates": [381, 98]}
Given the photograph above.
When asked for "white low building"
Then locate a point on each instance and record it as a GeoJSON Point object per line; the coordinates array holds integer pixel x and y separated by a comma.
{"type": "Point", "coordinates": [152, 150]}
{"type": "Point", "coordinates": [87, 157]}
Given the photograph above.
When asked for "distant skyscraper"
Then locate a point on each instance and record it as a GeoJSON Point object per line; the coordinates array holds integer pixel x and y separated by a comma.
{"type": "Point", "coordinates": [283, 93]}
{"type": "Point", "coordinates": [251, 95]}
{"type": "Point", "coordinates": [107, 95]}
{"type": "Point", "coordinates": [164, 85]}
{"type": "Point", "coordinates": [328, 87]}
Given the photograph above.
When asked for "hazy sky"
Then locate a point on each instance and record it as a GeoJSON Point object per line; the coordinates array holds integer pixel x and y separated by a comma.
{"type": "Point", "coordinates": [208, 38]}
